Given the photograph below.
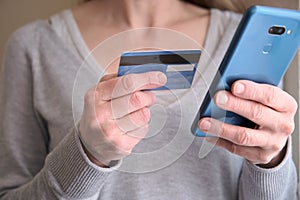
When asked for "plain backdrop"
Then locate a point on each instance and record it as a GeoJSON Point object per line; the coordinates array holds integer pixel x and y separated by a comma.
{"type": "Point", "coordinates": [15, 13]}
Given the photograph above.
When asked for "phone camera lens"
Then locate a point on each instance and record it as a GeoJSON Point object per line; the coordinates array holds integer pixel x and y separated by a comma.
{"type": "Point", "coordinates": [276, 30]}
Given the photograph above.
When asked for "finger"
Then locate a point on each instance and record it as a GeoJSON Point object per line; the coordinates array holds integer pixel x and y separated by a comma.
{"type": "Point", "coordinates": [255, 155]}
{"type": "Point", "coordinates": [108, 77]}
{"type": "Point", "coordinates": [120, 140]}
{"type": "Point", "coordinates": [127, 142]}
{"type": "Point", "coordinates": [131, 103]}
{"type": "Point", "coordinates": [139, 133]}
{"type": "Point", "coordinates": [134, 120]}
{"type": "Point", "coordinates": [254, 111]}
{"type": "Point", "coordinates": [124, 85]}
{"type": "Point", "coordinates": [236, 134]}
{"type": "Point", "coordinates": [266, 94]}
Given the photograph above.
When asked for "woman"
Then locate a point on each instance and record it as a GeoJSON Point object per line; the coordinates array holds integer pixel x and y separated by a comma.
{"type": "Point", "coordinates": [43, 156]}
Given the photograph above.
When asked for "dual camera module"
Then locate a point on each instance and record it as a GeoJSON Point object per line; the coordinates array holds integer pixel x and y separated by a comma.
{"type": "Point", "coordinates": [277, 30]}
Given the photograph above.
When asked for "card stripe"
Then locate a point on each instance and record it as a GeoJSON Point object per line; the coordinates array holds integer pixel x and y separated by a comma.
{"type": "Point", "coordinates": [172, 58]}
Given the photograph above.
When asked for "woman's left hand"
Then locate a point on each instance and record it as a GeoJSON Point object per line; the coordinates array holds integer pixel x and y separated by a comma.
{"type": "Point", "coordinates": [269, 107]}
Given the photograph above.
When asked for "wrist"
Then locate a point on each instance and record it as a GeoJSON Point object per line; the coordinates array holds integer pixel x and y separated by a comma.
{"type": "Point", "coordinates": [93, 159]}
{"type": "Point", "coordinates": [276, 160]}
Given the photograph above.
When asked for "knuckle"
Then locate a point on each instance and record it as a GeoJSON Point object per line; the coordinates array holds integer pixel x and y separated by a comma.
{"type": "Point", "coordinates": [276, 147]}
{"type": "Point", "coordinates": [145, 128]}
{"type": "Point", "coordinates": [294, 105]}
{"type": "Point", "coordinates": [144, 115]}
{"type": "Point", "coordinates": [264, 158]}
{"type": "Point", "coordinates": [257, 113]}
{"type": "Point", "coordinates": [243, 137]}
{"type": "Point", "coordinates": [136, 99]}
{"type": "Point", "coordinates": [252, 92]}
{"type": "Point", "coordinates": [128, 83]}
{"type": "Point", "coordinates": [149, 79]}
{"type": "Point", "coordinates": [222, 130]}
{"type": "Point", "coordinates": [138, 134]}
{"type": "Point", "coordinates": [143, 131]}
{"type": "Point", "coordinates": [271, 98]}
{"type": "Point", "coordinates": [150, 98]}
{"type": "Point", "coordinates": [235, 105]}
{"type": "Point", "coordinates": [287, 128]}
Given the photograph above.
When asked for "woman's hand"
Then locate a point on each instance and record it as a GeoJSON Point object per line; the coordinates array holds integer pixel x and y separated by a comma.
{"type": "Point", "coordinates": [269, 107]}
{"type": "Point", "coordinates": [116, 115]}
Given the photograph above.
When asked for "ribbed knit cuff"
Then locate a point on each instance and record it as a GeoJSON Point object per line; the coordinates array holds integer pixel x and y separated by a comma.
{"type": "Point", "coordinates": [73, 175]}
{"type": "Point", "coordinates": [265, 184]}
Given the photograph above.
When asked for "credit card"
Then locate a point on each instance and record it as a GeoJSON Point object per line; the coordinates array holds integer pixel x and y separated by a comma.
{"type": "Point", "coordinates": [179, 66]}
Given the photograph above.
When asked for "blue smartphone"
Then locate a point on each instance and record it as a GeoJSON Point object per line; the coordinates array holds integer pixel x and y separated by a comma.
{"type": "Point", "coordinates": [261, 50]}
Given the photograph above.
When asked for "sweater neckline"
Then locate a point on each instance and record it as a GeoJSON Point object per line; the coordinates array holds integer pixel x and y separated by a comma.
{"type": "Point", "coordinates": [85, 52]}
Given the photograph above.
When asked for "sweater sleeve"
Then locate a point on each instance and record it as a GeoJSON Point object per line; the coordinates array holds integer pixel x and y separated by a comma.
{"type": "Point", "coordinates": [278, 183]}
{"type": "Point", "coordinates": [27, 169]}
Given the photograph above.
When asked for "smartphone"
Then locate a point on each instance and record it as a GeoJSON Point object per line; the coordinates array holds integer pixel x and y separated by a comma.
{"type": "Point", "coordinates": [261, 50]}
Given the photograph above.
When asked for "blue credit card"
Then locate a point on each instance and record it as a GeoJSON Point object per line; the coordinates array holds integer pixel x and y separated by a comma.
{"type": "Point", "coordinates": [179, 66]}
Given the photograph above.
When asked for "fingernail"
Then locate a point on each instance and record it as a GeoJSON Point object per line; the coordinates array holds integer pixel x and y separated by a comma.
{"type": "Point", "coordinates": [205, 125]}
{"type": "Point", "coordinates": [162, 78]}
{"type": "Point", "coordinates": [239, 88]}
{"type": "Point", "coordinates": [221, 98]}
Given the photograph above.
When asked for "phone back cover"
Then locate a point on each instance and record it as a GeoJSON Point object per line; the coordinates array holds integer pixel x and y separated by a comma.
{"type": "Point", "coordinates": [255, 55]}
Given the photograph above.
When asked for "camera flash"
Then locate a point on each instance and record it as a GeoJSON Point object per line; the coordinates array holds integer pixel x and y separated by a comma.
{"type": "Point", "coordinates": [289, 32]}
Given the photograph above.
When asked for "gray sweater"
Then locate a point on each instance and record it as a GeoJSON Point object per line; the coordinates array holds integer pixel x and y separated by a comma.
{"type": "Point", "coordinates": [42, 88]}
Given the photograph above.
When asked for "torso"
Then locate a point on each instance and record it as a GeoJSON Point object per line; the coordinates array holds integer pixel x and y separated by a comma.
{"type": "Point", "coordinates": [169, 155]}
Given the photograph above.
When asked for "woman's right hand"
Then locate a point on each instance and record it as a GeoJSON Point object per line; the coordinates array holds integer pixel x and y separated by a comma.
{"type": "Point", "coordinates": [116, 115]}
